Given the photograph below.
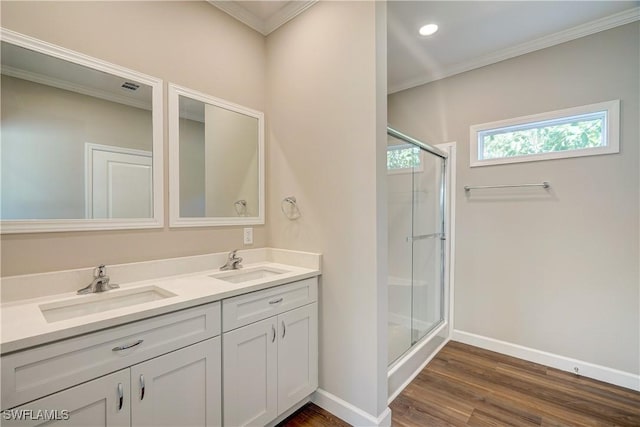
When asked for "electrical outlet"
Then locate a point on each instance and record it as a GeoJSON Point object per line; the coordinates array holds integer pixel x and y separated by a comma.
{"type": "Point", "coordinates": [248, 236]}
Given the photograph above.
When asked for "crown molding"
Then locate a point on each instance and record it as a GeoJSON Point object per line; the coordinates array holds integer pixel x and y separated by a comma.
{"type": "Point", "coordinates": [72, 87]}
{"type": "Point", "coordinates": [264, 27]}
{"type": "Point", "coordinates": [602, 24]}
{"type": "Point", "coordinates": [240, 13]}
{"type": "Point", "coordinates": [286, 14]}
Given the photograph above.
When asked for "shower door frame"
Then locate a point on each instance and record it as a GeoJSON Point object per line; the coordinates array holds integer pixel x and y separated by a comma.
{"type": "Point", "coordinates": [443, 238]}
{"type": "Point", "coordinates": [441, 235]}
{"type": "Point", "coordinates": [406, 367]}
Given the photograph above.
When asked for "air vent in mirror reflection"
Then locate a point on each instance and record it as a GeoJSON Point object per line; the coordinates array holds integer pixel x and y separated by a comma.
{"type": "Point", "coordinates": [130, 86]}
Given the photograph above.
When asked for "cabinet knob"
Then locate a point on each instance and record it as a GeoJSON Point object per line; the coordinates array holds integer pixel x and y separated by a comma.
{"type": "Point", "coordinates": [284, 329]}
{"type": "Point", "coordinates": [273, 331]}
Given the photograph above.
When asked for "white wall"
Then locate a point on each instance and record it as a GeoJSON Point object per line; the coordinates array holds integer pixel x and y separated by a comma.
{"type": "Point", "coordinates": [192, 44]}
{"type": "Point", "coordinates": [44, 131]}
{"type": "Point", "coordinates": [556, 271]}
{"type": "Point", "coordinates": [326, 74]}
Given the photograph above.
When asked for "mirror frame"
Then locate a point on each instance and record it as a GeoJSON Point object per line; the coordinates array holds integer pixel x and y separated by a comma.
{"type": "Point", "coordinates": [175, 220]}
{"type": "Point", "coordinates": [86, 224]}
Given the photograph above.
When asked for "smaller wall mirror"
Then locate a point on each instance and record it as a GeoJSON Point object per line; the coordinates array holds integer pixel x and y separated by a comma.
{"type": "Point", "coordinates": [81, 141]}
{"type": "Point", "coordinates": [216, 161]}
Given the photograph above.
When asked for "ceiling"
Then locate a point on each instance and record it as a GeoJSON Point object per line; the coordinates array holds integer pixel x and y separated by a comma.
{"type": "Point", "coordinates": [473, 34]}
{"type": "Point", "coordinates": [48, 70]}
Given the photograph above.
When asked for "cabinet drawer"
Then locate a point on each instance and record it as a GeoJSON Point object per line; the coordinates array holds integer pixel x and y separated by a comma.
{"type": "Point", "coordinates": [37, 372]}
{"type": "Point", "coordinates": [244, 309]}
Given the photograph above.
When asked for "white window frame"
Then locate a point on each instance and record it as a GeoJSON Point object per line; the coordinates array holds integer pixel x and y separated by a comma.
{"type": "Point", "coordinates": [407, 170]}
{"type": "Point", "coordinates": [611, 133]}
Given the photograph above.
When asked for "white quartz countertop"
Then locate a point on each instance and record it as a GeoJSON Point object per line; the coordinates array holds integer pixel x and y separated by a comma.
{"type": "Point", "coordinates": [24, 325]}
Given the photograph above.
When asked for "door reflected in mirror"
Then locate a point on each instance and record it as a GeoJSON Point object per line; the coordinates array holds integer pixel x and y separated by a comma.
{"type": "Point", "coordinates": [78, 138]}
{"type": "Point", "coordinates": [216, 154]}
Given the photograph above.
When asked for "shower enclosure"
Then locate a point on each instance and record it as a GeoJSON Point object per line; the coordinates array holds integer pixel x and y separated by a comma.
{"type": "Point", "coordinates": [417, 242]}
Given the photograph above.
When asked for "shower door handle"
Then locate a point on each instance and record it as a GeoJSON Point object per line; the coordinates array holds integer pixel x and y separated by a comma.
{"type": "Point", "coordinates": [440, 236]}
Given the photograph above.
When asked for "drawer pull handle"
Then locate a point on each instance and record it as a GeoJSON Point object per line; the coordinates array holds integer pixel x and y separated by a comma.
{"type": "Point", "coordinates": [284, 329]}
{"type": "Point", "coordinates": [275, 301]}
{"type": "Point", "coordinates": [126, 346]}
{"type": "Point", "coordinates": [141, 387]}
{"type": "Point", "coordinates": [273, 331]}
{"type": "Point", "coordinates": [120, 396]}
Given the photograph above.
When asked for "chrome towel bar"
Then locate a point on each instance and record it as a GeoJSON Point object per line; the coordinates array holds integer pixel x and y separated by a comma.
{"type": "Point", "coordinates": [544, 184]}
{"type": "Point", "coordinates": [440, 236]}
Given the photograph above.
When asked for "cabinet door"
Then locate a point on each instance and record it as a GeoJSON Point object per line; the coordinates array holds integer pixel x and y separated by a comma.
{"type": "Point", "coordinates": [181, 388]}
{"type": "Point", "coordinates": [297, 355]}
{"type": "Point", "coordinates": [103, 402]}
{"type": "Point", "coordinates": [250, 374]}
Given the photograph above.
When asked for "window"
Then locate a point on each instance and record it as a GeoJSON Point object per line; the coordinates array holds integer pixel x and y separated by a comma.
{"type": "Point", "coordinates": [573, 132]}
{"type": "Point", "coordinates": [403, 158]}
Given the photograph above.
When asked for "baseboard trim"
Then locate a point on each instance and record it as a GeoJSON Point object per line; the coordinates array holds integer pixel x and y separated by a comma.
{"type": "Point", "coordinates": [409, 365]}
{"type": "Point", "coordinates": [586, 369]}
{"type": "Point", "coordinates": [349, 413]}
{"type": "Point", "coordinates": [415, 373]}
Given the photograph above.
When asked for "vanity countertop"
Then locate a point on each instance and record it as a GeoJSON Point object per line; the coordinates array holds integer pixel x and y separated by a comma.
{"type": "Point", "coordinates": [24, 325]}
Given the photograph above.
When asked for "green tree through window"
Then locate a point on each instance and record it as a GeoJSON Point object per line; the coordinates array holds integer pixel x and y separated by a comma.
{"type": "Point", "coordinates": [402, 157]}
{"type": "Point", "coordinates": [561, 137]}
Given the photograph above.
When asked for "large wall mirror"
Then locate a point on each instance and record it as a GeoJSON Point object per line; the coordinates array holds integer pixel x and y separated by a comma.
{"type": "Point", "coordinates": [216, 161]}
{"type": "Point", "coordinates": [81, 141]}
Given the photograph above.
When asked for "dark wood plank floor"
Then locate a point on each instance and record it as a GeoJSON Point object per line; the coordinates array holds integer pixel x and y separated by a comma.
{"type": "Point", "coordinates": [468, 386]}
{"type": "Point", "coordinates": [312, 415]}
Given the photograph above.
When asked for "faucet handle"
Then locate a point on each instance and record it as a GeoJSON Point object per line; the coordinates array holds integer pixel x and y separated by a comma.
{"type": "Point", "coordinates": [100, 271]}
{"type": "Point", "coordinates": [232, 254]}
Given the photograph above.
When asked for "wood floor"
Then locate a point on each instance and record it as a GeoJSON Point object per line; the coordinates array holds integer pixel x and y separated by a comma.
{"type": "Point", "coordinates": [468, 386]}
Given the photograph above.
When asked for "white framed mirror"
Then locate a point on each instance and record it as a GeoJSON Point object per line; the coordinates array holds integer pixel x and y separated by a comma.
{"type": "Point", "coordinates": [82, 141]}
{"type": "Point", "coordinates": [216, 161]}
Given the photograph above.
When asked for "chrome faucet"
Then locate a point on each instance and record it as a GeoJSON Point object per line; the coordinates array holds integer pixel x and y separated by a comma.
{"type": "Point", "coordinates": [233, 262]}
{"type": "Point", "coordinates": [100, 282]}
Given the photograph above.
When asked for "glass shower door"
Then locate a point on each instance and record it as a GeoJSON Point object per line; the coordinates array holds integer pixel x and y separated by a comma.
{"type": "Point", "coordinates": [427, 243]}
{"type": "Point", "coordinates": [416, 243]}
{"type": "Point", "coordinates": [401, 159]}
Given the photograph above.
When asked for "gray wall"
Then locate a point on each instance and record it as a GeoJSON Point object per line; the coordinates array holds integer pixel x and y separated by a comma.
{"type": "Point", "coordinates": [214, 54]}
{"type": "Point", "coordinates": [231, 165]}
{"type": "Point", "coordinates": [326, 129]}
{"type": "Point", "coordinates": [192, 166]}
{"type": "Point", "coordinates": [44, 131]}
{"type": "Point", "coordinates": [556, 272]}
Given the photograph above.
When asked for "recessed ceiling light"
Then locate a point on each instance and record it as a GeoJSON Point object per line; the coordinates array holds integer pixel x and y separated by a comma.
{"type": "Point", "coordinates": [427, 30]}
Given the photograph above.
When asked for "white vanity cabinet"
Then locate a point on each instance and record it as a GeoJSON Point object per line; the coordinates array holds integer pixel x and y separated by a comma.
{"type": "Point", "coordinates": [257, 352]}
{"type": "Point", "coordinates": [270, 352]}
{"type": "Point", "coordinates": [176, 382]}
{"type": "Point", "coordinates": [297, 355]}
{"type": "Point", "coordinates": [182, 388]}
{"type": "Point", "coordinates": [97, 403]}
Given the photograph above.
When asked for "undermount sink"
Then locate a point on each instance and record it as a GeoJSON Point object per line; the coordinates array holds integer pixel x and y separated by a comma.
{"type": "Point", "coordinates": [240, 276]}
{"type": "Point", "coordinates": [97, 303]}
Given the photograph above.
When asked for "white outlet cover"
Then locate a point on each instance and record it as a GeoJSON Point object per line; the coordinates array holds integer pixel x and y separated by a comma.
{"type": "Point", "coordinates": [248, 236]}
